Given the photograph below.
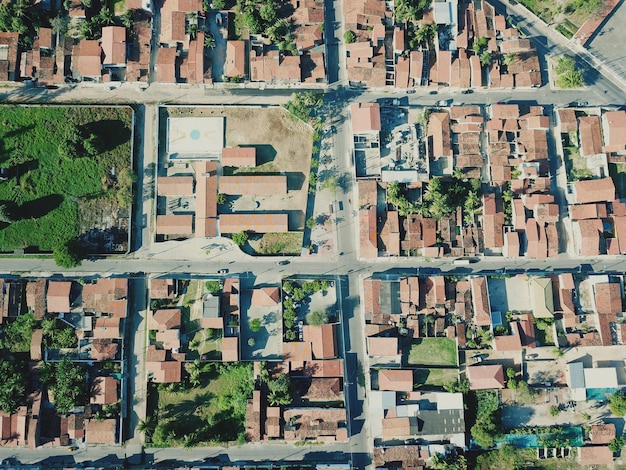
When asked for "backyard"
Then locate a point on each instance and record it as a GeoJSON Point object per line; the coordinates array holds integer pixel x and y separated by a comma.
{"type": "Point", "coordinates": [69, 177]}
{"type": "Point", "coordinates": [618, 173]}
{"type": "Point", "coordinates": [425, 378]}
{"type": "Point", "coordinates": [211, 412]}
{"type": "Point", "coordinates": [568, 15]}
{"type": "Point", "coordinates": [432, 352]}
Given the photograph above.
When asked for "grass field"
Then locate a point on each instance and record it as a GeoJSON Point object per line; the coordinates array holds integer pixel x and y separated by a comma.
{"type": "Point", "coordinates": [212, 412]}
{"type": "Point", "coordinates": [289, 243]}
{"type": "Point", "coordinates": [432, 352]}
{"type": "Point", "coordinates": [435, 377]}
{"type": "Point", "coordinates": [69, 176]}
{"type": "Point", "coordinates": [210, 347]}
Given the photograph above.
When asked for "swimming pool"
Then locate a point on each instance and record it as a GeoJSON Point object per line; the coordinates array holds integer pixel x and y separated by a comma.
{"type": "Point", "coordinates": [599, 394]}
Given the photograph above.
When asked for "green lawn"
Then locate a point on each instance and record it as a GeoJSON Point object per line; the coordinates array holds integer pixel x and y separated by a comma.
{"type": "Point", "coordinates": [64, 159]}
{"type": "Point", "coordinates": [212, 412]}
{"type": "Point", "coordinates": [432, 352]}
{"type": "Point", "coordinates": [435, 377]}
{"type": "Point", "coordinates": [211, 347]}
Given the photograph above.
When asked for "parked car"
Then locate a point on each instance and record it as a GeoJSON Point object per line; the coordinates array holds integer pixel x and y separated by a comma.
{"type": "Point", "coordinates": [433, 92]}
{"type": "Point", "coordinates": [467, 92]}
{"type": "Point", "coordinates": [283, 262]}
{"type": "Point", "coordinates": [222, 271]}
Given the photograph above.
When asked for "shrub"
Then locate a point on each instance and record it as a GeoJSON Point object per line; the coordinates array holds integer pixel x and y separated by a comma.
{"type": "Point", "coordinates": [68, 254]}
{"type": "Point", "coordinates": [290, 335]}
{"type": "Point", "coordinates": [240, 238]}
{"type": "Point", "coordinates": [317, 318]}
{"type": "Point", "coordinates": [213, 287]}
{"type": "Point", "coordinates": [554, 410]}
{"type": "Point", "coordinates": [255, 325]}
{"type": "Point", "coordinates": [349, 37]}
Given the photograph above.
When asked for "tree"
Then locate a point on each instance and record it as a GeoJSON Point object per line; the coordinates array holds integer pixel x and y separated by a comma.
{"type": "Point", "coordinates": [255, 325]}
{"type": "Point", "coordinates": [480, 44]}
{"type": "Point", "coordinates": [218, 4]}
{"type": "Point", "coordinates": [349, 37]}
{"type": "Point", "coordinates": [264, 373]}
{"type": "Point", "coordinates": [617, 444]}
{"type": "Point", "coordinates": [221, 198]}
{"type": "Point", "coordinates": [13, 385]}
{"type": "Point", "coordinates": [251, 21]}
{"type": "Point", "coordinates": [213, 287]}
{"type": "Point", "coordinates": [568, 76]}
{"type": "Point", "coordinates": [209, 43]}
{"type": "Point", "coordinates": [5, 214]}
{"type": "Point", "coordinates": [268, 12]}
{"type": "Point", "coordinates": [288, 288]}
{"type": "Point", "coordinates": [128, 19]}
{"type": "Point", "coordinates": [486, 430]}
{"type": "Point", "coordinates": [148, 425]}
{"type": "Point", "coordinates": [298, 294]}
{"type": "Point", "coordinates": [59, 24]}
{"type": "Point", "coordinates": [617, 404]}
{"type": "Point", "coordinates": [317, 318]}
{"type": "Point", "coordinates": [105, 17]}
{"type": "Point", "coordinates": [485, 58]}
{"type": "Point", "coordinates": [70, 388]}
{"type": "Point", "coordinates": [240, 238]}
{"type": "Point", "coordinates": [510, 373]}
{"type": "Point", "coordinates": [251, 342]}
{"type": "Point", "coordinates": [310, 223]}
{"type": "Point", "coordinates": [290, 335]}
{"type": "Point", "coordinates": [509, 58]}
{"type": "Point", "coordinates": [280, 390]}
{"type": "Point", "coordinates": [554, 410]}
{"type": "Point", "coordinates": [440, 462]}
{"type": "Point", "coordinates": [17, 334]}
{"type": "Point", "coordinates": [68, 254]}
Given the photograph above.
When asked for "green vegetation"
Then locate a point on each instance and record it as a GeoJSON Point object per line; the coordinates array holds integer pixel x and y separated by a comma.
{"type": "Point", "coordinates": [544, 9]}
{"type": "Point", "coordinates": [554, 410]}
{"type": "Point", "coordinates": [485, 58]}
{"type": "Point", "coordinates": [317, 318]}
{"type": "Point", "coordinates": [487, 427]}
{"type": "Point", "coordinates": [509, 58]}
{"type": "Point", "coordinates": [410, 10]}
{"type": "Point", "coordinates": [263, 18]}
{"type": "Point", "coordinates": [13, 386]}
{"type": "Point", "coordinates": [617, 171]}
{"type": "Point", "coordinates": [58, 334]}
{"type": "Point", "coordinates": [73, 163]}
{"type": "Point", "coordinates": [68, 383]}
{"type": "Point", "coordinates": [568, 76]}
{"type": "Point", "coordinates": [285, 243]}
{"type": "Point", "coordinates": [17, 333]}
{"type": "Point", "coordinates": [212, 412]}
{"type": "Point", "coordinates": [564, 30]}
{"type": "Point", "coordinates": [255, 325]}
{"type": "Point", "coordinates": [435, 378]}
{"type": "Point", "coordinates": [213, 287]}
{"type": "Point", "coordinates": [422, 35]}
{"type": "Point", "coordinates": [480, 339]}
{"type": "Point", "coordinates": [221, 198]}
{"type": "Point", "coordinates": [349, 37]}
{"type": "Point", "coordinates": [451, 462]}
{"type": "Point", "coordinates": [302, 105]}
{"type": "Point", "coordinates": [617, 404]}
{"type": "Point", "coordinates": [506, 457]}
{"type": "Point", "coordinates": [240, 238]}
{"type": "Point", "coordinates": [280, 390]}
{"type": "Point", "coordinates": [617, 444]}
{"type": "Point", "coordinates": [432, 352]}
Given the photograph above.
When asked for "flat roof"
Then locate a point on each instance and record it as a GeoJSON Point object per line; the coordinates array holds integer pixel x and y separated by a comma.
{"type": "Point", "coordinates": [195, 137]}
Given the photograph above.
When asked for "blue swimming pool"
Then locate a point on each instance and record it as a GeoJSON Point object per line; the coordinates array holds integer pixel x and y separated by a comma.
{"type": "Point", "coordinates": [573, 434]}
{"type": "Point", "coordinates": [599, 394]}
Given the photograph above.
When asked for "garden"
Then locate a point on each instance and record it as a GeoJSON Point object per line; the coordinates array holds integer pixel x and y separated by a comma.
{"type": "Point", "coordinates": [432, 352]}
{"type": "Point", "coordinates": [207, 408]}
{"type": "Point", "coordinates": [311, 302]}
{"type": "Point", "coordinates": [69, 181]}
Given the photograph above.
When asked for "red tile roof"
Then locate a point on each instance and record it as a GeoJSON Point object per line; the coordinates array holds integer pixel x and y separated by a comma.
{"type": "Point", "coordinates": [104, 391]}
{"type": "Point", "coordinates": [482, 310]}
{"type": "Point", "coordinates": [257, 223]}
{"type": "Point", "coordinates": [235, 63]}
{"type": "Point", "coordinates": [395, 380]}
{"type": "Point", "coordinates": [87, 56]}
{"type": "Point", "coordinates": [365, 117]}
{"type": "Point", "coordinates": [175, 186]}
{"type": "Point", "coordinates": [608, 298]}
{"type": "Point", "coordinates": [323, 340]}
{"type": "Point", "coordinates": [253, 184]}
{"type": "Point", "coordinates": [380, 346]}
{"type": "Point", "coordinates": [114, 45]}
{"type": "Point", "coordinates": [58, 297]}
{"type": "Point", "coordinates": [486, 377]}
{"type": "Point", "coordinates": [181, 224]}
{"type": "Point", "coordinates": [239, 156]}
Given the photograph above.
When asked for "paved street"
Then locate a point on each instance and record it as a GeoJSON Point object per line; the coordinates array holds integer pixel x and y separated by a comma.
{"type": "Point", "coordinates": [198, 257]}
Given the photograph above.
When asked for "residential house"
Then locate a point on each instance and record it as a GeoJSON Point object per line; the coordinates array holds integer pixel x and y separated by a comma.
{"type": "Point", "coordinates": [235, 64]}
{"type": "Point", "coordinates": [114, 46]}
{"type": "Point", "coordinates": [486, 377]}
{"type": "Point", "coordinates": [104, 391]}
{"type": "Point", "coordinates": [58, 296]}
{"type": "Point", "coordinates": [323, 340]}
{"type": "Point", "coordinates": [87, 60]}
{"type": "Point", "coordinates": [100, 431]}
{"type": "Point", "coordinates": [396, 380]}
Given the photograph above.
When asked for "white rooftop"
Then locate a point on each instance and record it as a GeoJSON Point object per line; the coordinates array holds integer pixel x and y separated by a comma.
{"type": "Point", "coordinates": [601, 377]}
{"type": "Point", "coordinates": [449, 401]}
{"type": "Point", "coordinates": [195, 137]}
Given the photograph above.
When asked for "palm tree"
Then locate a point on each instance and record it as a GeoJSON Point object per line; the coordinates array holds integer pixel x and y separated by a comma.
{"type": "Point", "coordinates": [127, 19]}
{"type": "Point", "coordinates": [509, 58]}
{"type": "Point", "coordinates": [485, 58]}
{"type": "Point", "coordinates": [209, 43]}
{"type": "Point", "coordinates": [148, 425]}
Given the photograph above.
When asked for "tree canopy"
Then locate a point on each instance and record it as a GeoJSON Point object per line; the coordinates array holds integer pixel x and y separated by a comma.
{"type": "Point", "coordinates": [317, 318]}
{"type": "Point", "coordinates": [69, 386]}
{"type": "Point", "coordinates": [617, 403]}
{"type": "Point", "coordinates": [280, 390]}
{"type": "Point", "coordinates": [13, 385]}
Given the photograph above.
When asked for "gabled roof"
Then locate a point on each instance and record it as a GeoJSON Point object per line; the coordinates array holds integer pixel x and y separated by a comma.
{"type": "Point", "coordinates": [596, 190]}
{"type": "Point", "coordinates": [480, 297]}
{"type": "Point", "coordinates": [486, 377]}
{"type": "Point", "coordinates": [230, 349]}
{"type": "Point", "coordinates": [58, 297]}
{"type": "Point", "coordinates": [265, 297]}
{"type": "Point", "coordinates": [165, 319]}
{"type": "Point", "coordinates": [395, 380]}
{"type": "Point", "coordinates": [104, 391]}
{"type": "Point", "coordinates": [608, 298]}
{"type": "Point", "coordinates": [100, 432]}
{"type": "Point", "coordinates": [175, 186]}
{"type": "Point", "coordinates": [323, 341]}
{"type": "Point", "coordinates": [235, 64]}
{"type": "Point", "coordinates": [87, 55]}
{"type": "Point", "coordinates": [114, 45]}
{"type": "Point", "coordinates": [590, 136]}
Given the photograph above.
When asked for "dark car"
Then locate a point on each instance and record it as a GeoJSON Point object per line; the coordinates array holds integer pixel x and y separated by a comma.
{"type": "Point", "coordinates": [222, 271]}
{"type": "Point", "coordinates": [467, 92]}
{"type": "Point", "coordinates": [283, 262]}
{"type": "Point", "coordinates": [433, 92]}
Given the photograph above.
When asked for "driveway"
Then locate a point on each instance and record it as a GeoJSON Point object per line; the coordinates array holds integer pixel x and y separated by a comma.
{"type": "Point", "coordinates": [217, 55]}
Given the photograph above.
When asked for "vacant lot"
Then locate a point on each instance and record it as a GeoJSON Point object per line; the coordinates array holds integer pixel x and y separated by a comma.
{"type": "Point", "coordinates": [569, 15]}
{"type": "Point", "coordinates": [432, 352]}
{"type": "Point", "coordinates": [283, 146]}
{"type": "Point", "coordinates": [289, 243]}
{"type": "Point", "coordinates": [69, 177]}
{"type": "Point", "coordinates": [435, 377]}
{"type": "Point", "coordinates": [213, 411]}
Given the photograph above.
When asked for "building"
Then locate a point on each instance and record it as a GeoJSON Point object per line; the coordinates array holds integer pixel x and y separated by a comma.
{"type": "Point", "coordinates": [486, 377]}
{"type": "Point", "coordinates": [261, 185]}
{"type": "Point", "coordinates": [58, 296]}
{"type": "Point", "coordinates": [114, 46]}
{"type": "Point", "coordinates": [256, 223]}
{"type": "Point", "coordinates": [365, 118]}
{"type": "Point", "coordinates": [235, 64]}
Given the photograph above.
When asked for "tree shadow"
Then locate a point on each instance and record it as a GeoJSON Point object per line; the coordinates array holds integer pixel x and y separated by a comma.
{"type": "Point", "coordinates": [38, 207]}
{"type": "Point", "coordinates": [112, 133]}
{"type": "Point", "coordinates": [265, 153]}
